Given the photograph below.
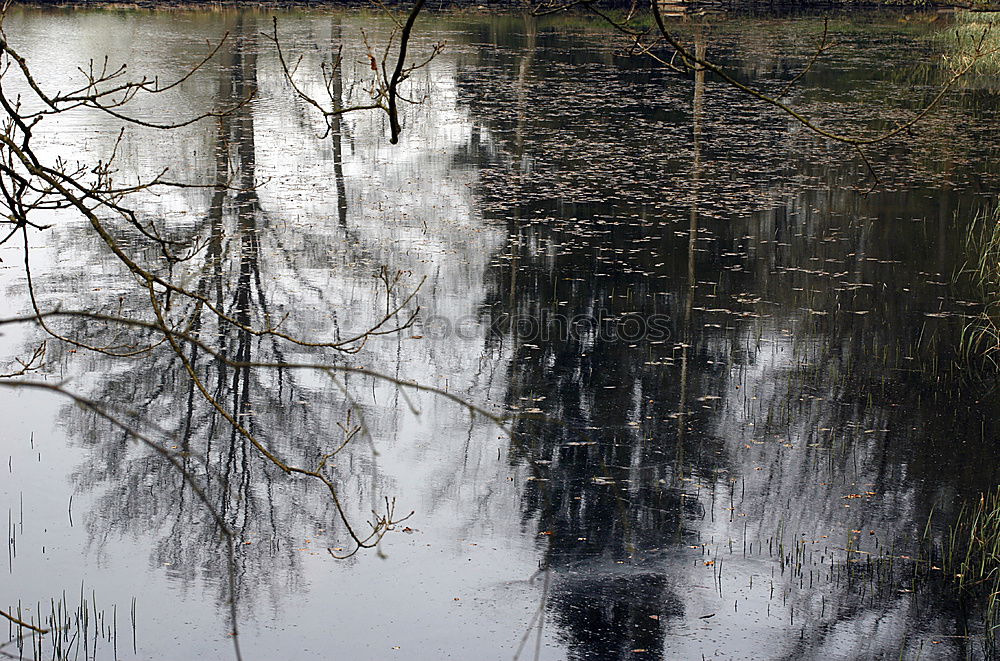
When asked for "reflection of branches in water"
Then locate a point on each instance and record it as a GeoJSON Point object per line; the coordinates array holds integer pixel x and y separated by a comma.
{"type": "Point", "coordinates": [604, 487]}
{"type": "Point", "coordinates": [383, 89]}
{"type": "Point", "coordinates": [649, 447]}
{"type": "Point", "coordinates": [651, 42]}
{"type": "Point", "coordinates": [640, 467]}
{"type": "Point", "coordinates": [607, 485]}
{"type": "Point", "coordinates": [237, 482]}
{"type": "Point", "coordinates": [220, 332]}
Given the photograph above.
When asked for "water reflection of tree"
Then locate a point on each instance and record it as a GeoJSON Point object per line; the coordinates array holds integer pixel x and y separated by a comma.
{"type": "Point", "coordinates": [654, 436]}
{"type": "Point", "coordinates": [270, 517]}
{"type": "Point", "coordinates": [603, 496]}
{"type": "Point", "coordinates": [609, 492]}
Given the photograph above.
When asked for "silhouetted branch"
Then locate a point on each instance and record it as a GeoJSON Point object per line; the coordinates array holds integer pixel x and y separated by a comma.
{"type": "Point", "coordinates": [383, 90]}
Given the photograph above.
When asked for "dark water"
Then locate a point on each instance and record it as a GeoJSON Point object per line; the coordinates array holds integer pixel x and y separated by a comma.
{"type": "Point", "coordinates": [736, 375]}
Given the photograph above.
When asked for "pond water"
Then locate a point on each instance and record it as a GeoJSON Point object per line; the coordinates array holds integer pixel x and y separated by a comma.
{"type": "Point", "coordinates": [736, 397]}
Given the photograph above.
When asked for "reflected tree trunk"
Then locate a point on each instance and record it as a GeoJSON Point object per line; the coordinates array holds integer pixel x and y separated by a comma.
{"type": "Point", "coordinates": [697, 117]}
{"type": "Point", "coordinates": [521, 87]}
{"type": "Point", "coordinates": [337, 124]}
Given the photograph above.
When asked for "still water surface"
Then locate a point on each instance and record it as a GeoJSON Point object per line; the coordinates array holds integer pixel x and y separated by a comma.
{"type": "Point", "coordinates": [736, 374]}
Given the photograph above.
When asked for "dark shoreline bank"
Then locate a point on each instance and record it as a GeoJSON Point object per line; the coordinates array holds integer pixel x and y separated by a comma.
{"type": "Point", "coordinates": [505, 6]}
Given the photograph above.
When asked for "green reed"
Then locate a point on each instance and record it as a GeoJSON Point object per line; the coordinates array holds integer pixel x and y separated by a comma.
{"type": "Point", "coordinates": [981, 336]}
{"type": "Point", "coordinates": [971, 555]}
